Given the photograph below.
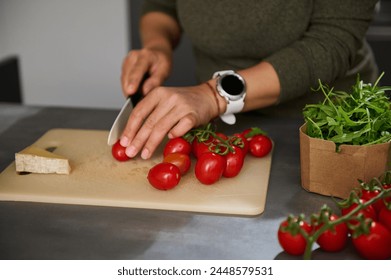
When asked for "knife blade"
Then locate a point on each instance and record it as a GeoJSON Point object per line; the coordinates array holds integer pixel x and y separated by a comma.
{"type": "Point", "coordinates": [122, 118]}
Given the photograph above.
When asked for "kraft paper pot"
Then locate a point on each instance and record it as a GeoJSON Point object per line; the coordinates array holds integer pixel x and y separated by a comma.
{"type": "Point", "coordinates": [331, 173]}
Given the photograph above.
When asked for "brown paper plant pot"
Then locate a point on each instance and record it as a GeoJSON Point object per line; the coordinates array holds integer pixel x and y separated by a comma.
{"type": "Point", "coordinates": [327, 172]}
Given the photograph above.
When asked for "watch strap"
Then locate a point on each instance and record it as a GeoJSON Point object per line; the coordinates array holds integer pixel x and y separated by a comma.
{"type": "Point", "coordinates": [233, 106]}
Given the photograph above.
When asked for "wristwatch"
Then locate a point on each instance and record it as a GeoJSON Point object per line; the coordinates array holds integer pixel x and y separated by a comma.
{"type": "Point", "coordinates": [232, 87]}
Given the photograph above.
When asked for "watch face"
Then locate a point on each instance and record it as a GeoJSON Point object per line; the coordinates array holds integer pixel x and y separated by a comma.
{"type": "Point", "coordinates": [232, 85]}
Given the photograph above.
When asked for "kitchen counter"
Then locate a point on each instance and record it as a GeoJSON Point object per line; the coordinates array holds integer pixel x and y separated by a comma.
{"type": "Point", "coordinates": [55, 231]}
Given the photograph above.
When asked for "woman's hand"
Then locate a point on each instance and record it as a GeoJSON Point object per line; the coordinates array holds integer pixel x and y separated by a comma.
{"type": "Point", "coordinates": [168, 111]}
{"type": "Point", "coordinates": [156, 62]}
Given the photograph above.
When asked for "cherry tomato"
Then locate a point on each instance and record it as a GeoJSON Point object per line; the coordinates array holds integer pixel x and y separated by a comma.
{"type": "Point", "coordinates": [376, 245]}
{"type": "Point", "coordinates": [240, 141]}
{"type": "Point", "coordinates": [260, 145]}
{"type": "Point", "coordinates": [386, 200]}
{"type": "Point", "coordinates": [234, 163]}
{"type": "Point", "coordinates": [369, 194]}
{"type": "Point", "coordinates": [118, 152]}
{"type": "Point", "coordinates": [209, 168]}
{"type": "Point", "coordinates": [177, 145]}
{"type": "Point", "coordinates": [182, 161]}
{"type": "Point", "coordinates": [164, 176]}
{"type": "Point", "coordinates": [199, 148]}
{"type": "Point", "coordinates": [246, 132]}
{"type": "Point", "coordinates": [334, 239]}
{"type": "Point", "coordinates": [293, 243]}
{"type": "Point", "coordinates": [222, 135]}
{"type": "Point", "coordinates": [368, 212]}
{"type": "Point", "coordinates": [385, 217]}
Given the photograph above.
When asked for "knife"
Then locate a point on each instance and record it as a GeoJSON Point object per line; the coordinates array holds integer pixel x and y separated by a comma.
{"type": "Point", "coordinates": [121, 120]}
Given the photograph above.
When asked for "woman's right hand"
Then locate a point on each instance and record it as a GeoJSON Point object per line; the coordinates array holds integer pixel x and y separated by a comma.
{"type": "Point", "coordinates": [155, 62]}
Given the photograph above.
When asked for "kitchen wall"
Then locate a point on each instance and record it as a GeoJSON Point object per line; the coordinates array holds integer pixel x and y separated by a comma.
{"type": "Point", "coordinates": [70, 52]}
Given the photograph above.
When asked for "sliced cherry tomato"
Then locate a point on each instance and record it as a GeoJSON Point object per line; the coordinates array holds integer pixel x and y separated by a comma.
{"type": "Point", "coordinates": [177, 145]}
{"type": "Point", "coordinates": [375, 245]}
{"type": "Point", "coordinates": [164, 176]}
{"type": "Point", "coordinates": [118, 152]}
{"type": "Point", "coordinates": [385, 217]}
{"type": "Point", "coordinates": [333, 239]}
{"type": "Point", "coordinates": [182, 161]}
{"type": "Point", "coordinates": [290, 238]}
{"type": "Point", "coordinates": [209, 168]}
{"type": "Point", "coordinates": [260, 145]}
{"type": "Point", "coordinates": [234, 163]}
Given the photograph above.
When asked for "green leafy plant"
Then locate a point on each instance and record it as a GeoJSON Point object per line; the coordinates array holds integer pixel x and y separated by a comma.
{"type": "Point", "coordinates": [359, 117]}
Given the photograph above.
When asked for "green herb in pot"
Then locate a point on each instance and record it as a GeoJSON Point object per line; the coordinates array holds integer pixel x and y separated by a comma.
{"type": "Point", "coordinates": [359, 117]}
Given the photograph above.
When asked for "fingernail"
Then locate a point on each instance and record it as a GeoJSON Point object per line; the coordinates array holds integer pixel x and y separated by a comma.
{"type": "Point", "coordinates": [124, 142]}
{"type": "Point", "coordinates": [145, 154]}
{"type": "Point", "coordinates": [130, 88]}
{"type": "Point", "coordinates": [131, 151]}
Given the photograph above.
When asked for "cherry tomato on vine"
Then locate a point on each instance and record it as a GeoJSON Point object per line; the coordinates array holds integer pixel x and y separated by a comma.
{"type": "Point", "coordinates": [221, 135]}
{"type": "Point", "coordinates": [181, 160]}
{"type": "Point", "coordinates": [292, 241]}
{"type": "Point", "coordinates": [368, 212]}
{"type": "Point", "coordinates": [260, 145]}
{"type": "Point", "coordinates": [209, 168]}
{"type": "Point", "coordinates": [118, 152]}
{"type": "Point", "coordinates": [198, 148]}
{"type": "Point", "coordinates": [241, 142]}
{"type": "Point", "coordinates": [164, 176]}
{"type": "Point", "coordinates": [376, 245]}
{"type": "Point", "coordinates": [385, 217]}
{"type": "Point", "coordinates": [235, 161]}
{"type": "Point", "coordinates": [333, 239]}
{"type": "Point", "coordinates": [245, 134]}
{"type": "Point", "coordinates": [369, 194]}
{"type": "Point", "coordinates": [177, 145]}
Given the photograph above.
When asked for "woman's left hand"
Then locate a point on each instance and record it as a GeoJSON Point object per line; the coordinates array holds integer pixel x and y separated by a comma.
{"type": "Point", "coordinates": [171, 111]}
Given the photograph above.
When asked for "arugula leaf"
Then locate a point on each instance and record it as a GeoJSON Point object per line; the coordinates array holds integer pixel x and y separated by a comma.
{"type": "Point", "coordinates": [359, 117]}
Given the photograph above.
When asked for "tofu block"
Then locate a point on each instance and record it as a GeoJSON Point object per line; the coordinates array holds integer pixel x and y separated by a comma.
{"type": "Point", "coordinates": [37, 160]}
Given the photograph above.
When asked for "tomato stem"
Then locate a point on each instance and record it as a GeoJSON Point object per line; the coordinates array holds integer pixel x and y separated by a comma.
{"type": "Point", "coordinates": [311, 238]}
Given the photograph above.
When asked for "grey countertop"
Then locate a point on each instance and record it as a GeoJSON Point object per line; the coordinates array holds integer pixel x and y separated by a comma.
{"type": "Point", "coordinates": [55, 231]}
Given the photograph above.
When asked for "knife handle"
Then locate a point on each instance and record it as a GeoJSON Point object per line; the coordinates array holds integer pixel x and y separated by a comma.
{"type": "Point", "coordinates": [138, 95]}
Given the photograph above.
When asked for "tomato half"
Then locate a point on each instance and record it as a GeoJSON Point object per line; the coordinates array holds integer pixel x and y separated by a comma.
{"type": "Point", "coordinates": [177, 145]}
{"type": "Point", "coordinates": [334, 239]}
{"type": "Point", "coordinates": [376, 245]}
{"type": "Point", "coordinates": [209, 168]}
{"type": "Point", "coordinates": [118, 152]}
{"type": "Point", "coordinates": [260, 145]}
{"type": "Point", "coordinates": [164, 176]}
{"type": "Point", "coordinates": [182, 161]}
{"type": "Point", "coordinates": [293, 243]}
{"type": "Point", "coordinates": [234, 162]}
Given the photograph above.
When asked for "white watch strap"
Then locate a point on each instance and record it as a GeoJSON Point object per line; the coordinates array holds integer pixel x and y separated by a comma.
{"type": "Point", "coordinates": [233, 107]}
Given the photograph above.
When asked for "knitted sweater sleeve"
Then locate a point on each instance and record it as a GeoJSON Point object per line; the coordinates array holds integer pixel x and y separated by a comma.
{"type": "Point", "coordinates": [327, 49]}
{"type": "Point", "coordinates": [166, 6]}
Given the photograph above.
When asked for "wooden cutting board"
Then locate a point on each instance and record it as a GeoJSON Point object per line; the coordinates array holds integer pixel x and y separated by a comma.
{"type": "Point", "coordinates": [98, 179]}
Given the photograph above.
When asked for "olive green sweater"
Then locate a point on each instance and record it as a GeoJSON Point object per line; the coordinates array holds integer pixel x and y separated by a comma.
{"type": "Point", "coordinates": [304, 40]}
